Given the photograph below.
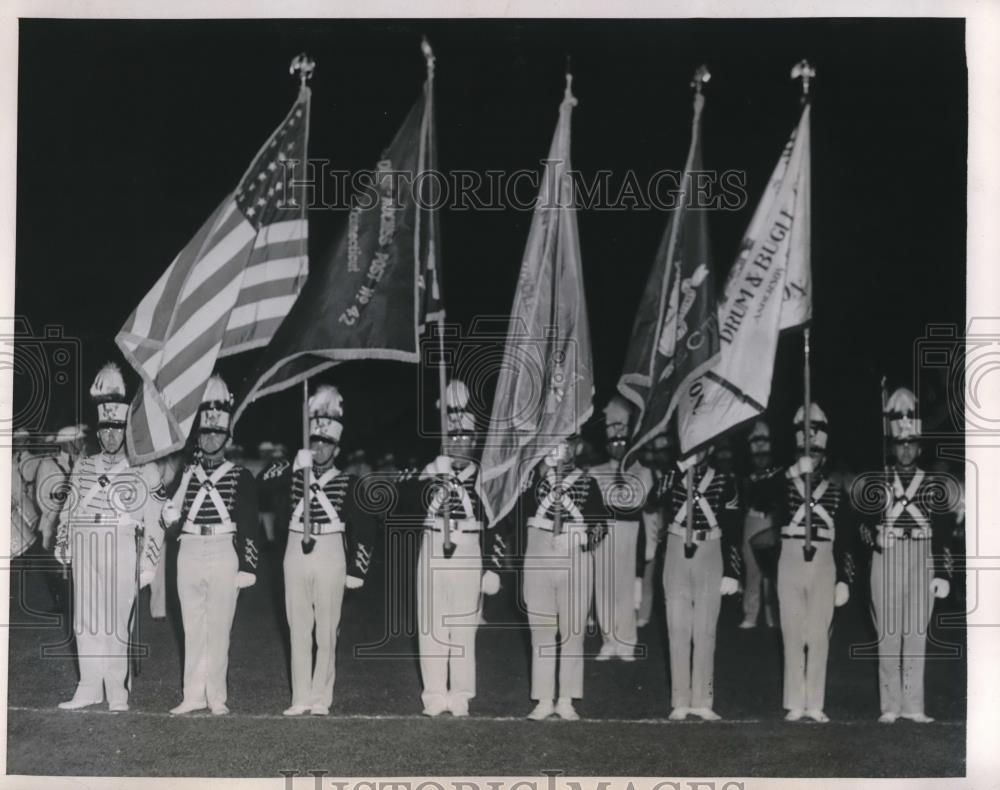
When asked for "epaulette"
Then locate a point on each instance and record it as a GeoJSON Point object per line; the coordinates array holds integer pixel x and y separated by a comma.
{"type": "Point", "coordinates": [275, 470]}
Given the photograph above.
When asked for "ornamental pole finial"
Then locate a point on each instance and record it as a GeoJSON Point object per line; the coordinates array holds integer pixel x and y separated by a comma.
{"type": "Point", "coordinates": [803, 70]}
{"type": "Point", "coordinates": [701, 76]}
{"type": "Point", "coordinates": [304, 65]}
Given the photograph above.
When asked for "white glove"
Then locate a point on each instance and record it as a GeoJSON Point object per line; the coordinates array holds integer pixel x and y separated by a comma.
{"type": "Point", "coordinates": [244, 579]}
{"type": "Point", "coordinates": [637, 592]}
{"type": "Point", "coordinates": [169, 515]}
{"type": "Point", "coordinates": [146, 577]}
{"type": "Point", "coordinates": [940, 588]}
{"type": "Point", "coordinates": [841, 593]}
{"type": "Point", "coordinates": [303, 459]}
{"type": "Point", "coordinates": [490, 585]}
{"type": "Point", "coordinates": [729, 586]}
{"type": "Point", "coordinates": [804, 465]}
{"type": "Point", "coordinates": [353, 582]}
{"type": "Point", "coordinates": [62, 554]}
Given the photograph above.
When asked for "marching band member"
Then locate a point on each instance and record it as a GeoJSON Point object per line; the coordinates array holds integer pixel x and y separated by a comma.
{"type": "Point", "coordinates": [618, 570]}
{"type": "Point", "coordinates": [909, 569]}
{"type": "Point", "coordinates": [108, 524]}
{"type": "Point", "coordinates": [214, 509]}
{"type": "Point", "coordinates": [810, 588]}
{"type": "Point", "coordinates": [451, 580]}
{"type": "Point", "coordinates": [762, 491]}
{"type": "Point", "coordinates": [336, 557]}
{"type": "Point", "coordinates": [696, 576]}
{"type": "Point", "coordinates": [563, 514]}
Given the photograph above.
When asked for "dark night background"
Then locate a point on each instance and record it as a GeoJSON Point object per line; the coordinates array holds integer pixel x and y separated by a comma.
{"type": "Point", "coordinates": [130, 133]}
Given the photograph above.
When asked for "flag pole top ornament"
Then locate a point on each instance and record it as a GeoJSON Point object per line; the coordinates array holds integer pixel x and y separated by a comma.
{"type": "Point", "coordinates": [568, 97]}
{"type": "Point", "coordinates": [701, 76]}
{"type": "Point", "coordinates": [805, 71]}
{"type": "Point", "coordinates": [304, 65]}
{"type": "Point", "coordinates": [425, 47]}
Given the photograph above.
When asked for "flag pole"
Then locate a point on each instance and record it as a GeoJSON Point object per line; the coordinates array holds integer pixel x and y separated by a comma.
{"type": "Point", "coordinates": [808, 550]}
{"type": "Point", "coordinates": [885, 464]}
{"type": "Point", "coordinates": [804, 70]}
{"type": "Point", "coordinates": [305, 66]}
{"type": "Point", "coordinates": [449, 545]}
{"type": "Point", "coordinates": [308, 542]}
{"type": "Point", "coordinates": [701, 76]}
{"type": "Point", "coordinates": [554, 324]}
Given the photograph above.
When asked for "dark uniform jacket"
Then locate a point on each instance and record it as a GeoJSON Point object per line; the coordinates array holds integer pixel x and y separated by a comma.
{"type": "Point", "coordinates": [722, 497]}
{"type": "Point", "coordinates": [832, 519]}
{"type": "Point", "coordinates": [281, 494]}
{"type": "Point", "coordinates": [236, 488]}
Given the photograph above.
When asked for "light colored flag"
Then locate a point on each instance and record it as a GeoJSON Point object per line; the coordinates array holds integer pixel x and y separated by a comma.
{"type": "Point", "coordinates": [675, 335]}
{"type": "Point", "coordinates": [769, 290]}
{"type": "Point", "coordinates": [545, 389]}
{"type": "Point", "coordinates": [227, 291]}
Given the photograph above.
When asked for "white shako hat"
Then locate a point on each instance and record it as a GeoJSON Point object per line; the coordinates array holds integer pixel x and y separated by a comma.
{"type": "Point", "coordinates": [108, 394]}
{"type": "Point", "coordinates": [461, 421]}
{"type": "Point", "coordinates": [617, 416]}
{"type": "Point", "coordinates": [760, 437]}
{"type": "Point", "coordinates": [817, 425]}
{"type": "Point", "coordinates": [216, 409]}
{"type": "Point", "coordinates": [326, 414]}
{"type": "Point", "coordinates": [901, 410]}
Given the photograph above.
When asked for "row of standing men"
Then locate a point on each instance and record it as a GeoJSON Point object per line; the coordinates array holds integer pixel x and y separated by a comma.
{"type": "Point", "coordinates": [569, 531]}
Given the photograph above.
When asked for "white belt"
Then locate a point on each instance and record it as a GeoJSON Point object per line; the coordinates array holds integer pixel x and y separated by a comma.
{"type": "Point", "coordinates": [223, 528]}
{"type": "Point", "coordinates": [457, 525]}
{"type": "Point", "coordinates": [757, 513]}
{"type": "Point", "coordinates": [325, 528]}
{"type": "Point", "coordinates": [821, 532]}
{"type": "Point", "coordinates": [547, 524]}
{"type": "Point", "coordinates": [106, 519]}
{"type": "Point", "coordinates": [916, 533]}
{"type": "Point", "coordinates": [697, 535]}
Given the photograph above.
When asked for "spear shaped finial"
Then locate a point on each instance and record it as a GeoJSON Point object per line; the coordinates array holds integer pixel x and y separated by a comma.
{"type": "Point", "coordinates": [304, 65]}
{"type": "Point", "coordinates": [803, 70]}
{"type": "Point", "coordinates": [425, 47]}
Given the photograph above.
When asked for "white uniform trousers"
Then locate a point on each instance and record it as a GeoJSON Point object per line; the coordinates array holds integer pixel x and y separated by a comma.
{"type": "Point", "coordinates": [805, 600]}
{"type": "Point", "coordinates": [314, 594]}
{"type": "Point", "coordinates": [448, 606]}
{"type": "Point", "coordinates": [158, 589]}
{"type": "Point", "coordinates": [691, 591]}
{"type": "Point", "coordinates": [902, 603]}
{"type": "Point", "coordinates": [614, 585]}
{"type": "Point", "coordinates": [206, 585]}
{"type": "Point", "coordinates": [756, 585]}
{"type": "Point", "coordinates": [103, 594]}
{"type": "Point", "coordinates": [558, 580]}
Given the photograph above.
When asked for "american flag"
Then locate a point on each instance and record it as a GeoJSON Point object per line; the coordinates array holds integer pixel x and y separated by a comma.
{"type": "Point", "coordinates": [227, 291]}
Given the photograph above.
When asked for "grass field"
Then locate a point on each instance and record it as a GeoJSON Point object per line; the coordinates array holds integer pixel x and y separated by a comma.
{"type": "Point", "coordinates": [375, 727]}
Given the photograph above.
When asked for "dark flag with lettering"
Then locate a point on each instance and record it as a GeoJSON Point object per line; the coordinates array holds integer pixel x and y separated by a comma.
{"type": "Point", "coordinates": [769, 290]}
{"type": "Point", "coordinates": [372, 297]}
{"type": "Point", "coordinates": [675, 334]}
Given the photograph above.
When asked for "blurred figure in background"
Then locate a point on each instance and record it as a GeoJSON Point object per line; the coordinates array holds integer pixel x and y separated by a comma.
{"type": "Point", "coordinates": [51, 490]}
{"type": "Point", "coordinates": [762, 491]}
{"type": "Point", "coordinates": [617, 568]}
{"type": "Point", "coordinates": [658, 457]}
